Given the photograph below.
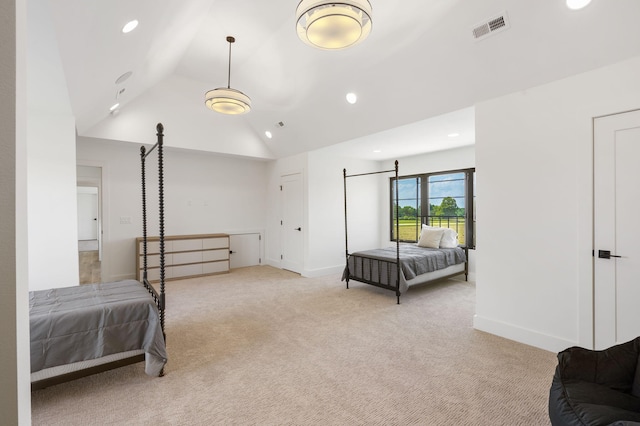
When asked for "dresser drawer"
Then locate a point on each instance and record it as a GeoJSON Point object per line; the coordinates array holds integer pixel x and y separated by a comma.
{"type": "Point", "coordinates": [215, 243]}
{"type": "Point", "coordinates": [211, 255]}
{"type": "Point", "coordinates": [153, 260]}
{"type": "Point", "coordinates": [153, 274]}
{"type": "Point", "coordinates": [187, 245]}
{"type": "Point", "coordinates": [187, 257]}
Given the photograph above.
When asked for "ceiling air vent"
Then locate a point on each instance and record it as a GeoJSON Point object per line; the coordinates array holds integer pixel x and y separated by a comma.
{"type": "Point", "coordinates": [491, 26]}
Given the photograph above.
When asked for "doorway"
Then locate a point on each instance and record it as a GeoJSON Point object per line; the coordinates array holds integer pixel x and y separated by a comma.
{"type": "Point", "coordinates": [616, 252]}
{"type": "Point", "coordinates": [88, 214]}
{"type": "Point", "coordinates": [89, 204]}
{"type": "Point", "coordinates": [291, 231]}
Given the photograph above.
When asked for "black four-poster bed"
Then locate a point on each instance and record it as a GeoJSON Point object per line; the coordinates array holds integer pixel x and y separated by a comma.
{"type": "Point", "coordinates": [82, 330]}
{"type": "Point", "coordinates": [397, 268]}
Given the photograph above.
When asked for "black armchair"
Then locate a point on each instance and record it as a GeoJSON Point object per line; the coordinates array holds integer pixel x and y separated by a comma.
{"type": "Point", "coordinates": [597, 387]}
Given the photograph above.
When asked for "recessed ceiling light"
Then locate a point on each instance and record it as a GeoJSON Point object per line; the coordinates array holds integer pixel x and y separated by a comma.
{"type": "Point", "coordinates": [123, 77]}
{"type": "Point", "coordinates": [113, 107]}
{"type": "Point", "coordinates": [377, 150]}
{"type": "Point", "coordinates": [268, 134]}
{"type": "Point", "coordinates": [352, 98]}
{"type": "Point", "coordinates": [577, 4]}
{"type": "Point", "coordinates": [453, 135]}
{"type": "Point", "coordinates": [130, 26]}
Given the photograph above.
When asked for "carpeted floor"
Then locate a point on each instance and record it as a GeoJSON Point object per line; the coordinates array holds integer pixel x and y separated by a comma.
{"type": "Point", "coordinates": [262, 346]}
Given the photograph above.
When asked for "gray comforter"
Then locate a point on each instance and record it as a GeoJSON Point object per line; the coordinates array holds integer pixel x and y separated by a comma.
{"type": "Point", "coordinates": [82, 323]}
{"type": "Point", "coordinates": [379, 264]}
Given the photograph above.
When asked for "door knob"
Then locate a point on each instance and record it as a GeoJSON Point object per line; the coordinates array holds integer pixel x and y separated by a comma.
{"type": "Point", "coordinates": [298, 229]}
{"type": "Point", "coordinates": [606, 254]}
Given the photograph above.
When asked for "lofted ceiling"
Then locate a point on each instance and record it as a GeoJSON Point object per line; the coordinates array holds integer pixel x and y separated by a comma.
{"type": "Point", "coordinates": [417, 76]}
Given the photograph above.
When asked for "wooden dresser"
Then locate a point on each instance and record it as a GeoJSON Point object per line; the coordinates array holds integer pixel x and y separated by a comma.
{"type": "Point", "coordinates": [184, 256]}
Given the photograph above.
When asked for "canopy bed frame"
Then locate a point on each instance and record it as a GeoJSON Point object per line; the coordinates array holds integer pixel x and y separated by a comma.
{"type": "Point", "coordinates": [397, 268]}
{"type": "Point", "coordinates": [82, 330]}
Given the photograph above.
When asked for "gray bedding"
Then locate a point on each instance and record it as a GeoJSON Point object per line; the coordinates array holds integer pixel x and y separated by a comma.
{"type": "Point", "coordinates": [379, 264]}
{"type": "Point", "coordinates": [86, 322]}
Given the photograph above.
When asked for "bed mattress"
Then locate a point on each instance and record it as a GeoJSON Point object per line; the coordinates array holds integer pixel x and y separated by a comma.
{"type": "Point", "coordinates": [73, 324]}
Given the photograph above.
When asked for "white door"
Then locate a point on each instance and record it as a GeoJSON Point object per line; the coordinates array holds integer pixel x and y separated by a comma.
{"type": "Point", "coordinates": [616, 229]}
{"type": "Point", "coordinates": [244, 250]}
{"type": "Point", "coordinates": [291, 231]}
{"type": "Point", "coordinates": [87, 213]}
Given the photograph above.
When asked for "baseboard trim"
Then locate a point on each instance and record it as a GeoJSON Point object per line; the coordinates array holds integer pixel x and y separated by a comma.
{"type": "Point", "coordinates": [314, 273]}
{"type": "Point", "coordinates": [522, 335]}
{"type": "Point", "coordinates": [273, 262]}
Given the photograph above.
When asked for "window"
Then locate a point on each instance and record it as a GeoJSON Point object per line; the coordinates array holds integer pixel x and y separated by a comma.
{"type": "Point", "coordinates": [446, 198]}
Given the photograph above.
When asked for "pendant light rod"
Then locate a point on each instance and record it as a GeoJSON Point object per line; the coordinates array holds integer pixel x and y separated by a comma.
{"type": "Point", "coordinates": [230, 40]}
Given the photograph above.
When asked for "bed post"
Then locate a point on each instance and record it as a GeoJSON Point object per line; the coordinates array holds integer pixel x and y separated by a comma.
{"type": "Point", "coordinates": [466, 264]}
{"type": "Point", "coordinates": [397, 236]}
{"type": "Point", "coordinates": [160, 129]}
{"type": "Point", "coordinates": [346, 241]}
{"type": "Point", "coordinates": [143, 155]}
{"type": "Point", "coordinates": [158, 298]}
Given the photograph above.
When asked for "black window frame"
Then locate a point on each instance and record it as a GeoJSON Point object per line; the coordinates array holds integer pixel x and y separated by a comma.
{"type": "Point", "coordinates": [424, 209]}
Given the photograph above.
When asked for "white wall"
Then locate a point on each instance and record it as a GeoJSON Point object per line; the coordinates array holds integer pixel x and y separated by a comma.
{"type": "Point", "coordinates": [204, 193]}
{"type": "Point", "coordinates": [534, 210]}
{"type": "Point", "coordinates": [51, 181]}
{"type": "Point", "coordinates": [439, 161]}
{"type": "Point", "coordinates": [326, 230]}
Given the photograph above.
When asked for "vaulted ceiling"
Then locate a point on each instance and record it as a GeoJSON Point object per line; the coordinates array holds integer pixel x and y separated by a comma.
{"type": "Point", "coordinates": [417, 76]}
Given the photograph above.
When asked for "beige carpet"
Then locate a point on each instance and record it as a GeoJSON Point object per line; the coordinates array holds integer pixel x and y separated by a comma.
{"type": "Point", "coordinates": [261, 346]}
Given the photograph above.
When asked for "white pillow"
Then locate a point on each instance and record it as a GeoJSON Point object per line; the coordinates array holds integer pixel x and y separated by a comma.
{"type": "Point", "coordinates": [449, 237]}
{"type": "Point", "coordinates": [431, 237]}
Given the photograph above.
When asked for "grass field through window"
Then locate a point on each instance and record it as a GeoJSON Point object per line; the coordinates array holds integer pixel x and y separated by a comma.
{"type": "Point", "coordinates": [410, 228]}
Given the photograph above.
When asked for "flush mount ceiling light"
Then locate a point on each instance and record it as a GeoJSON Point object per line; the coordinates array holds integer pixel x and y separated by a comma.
{"type": "Point", "coordinates": [352, 98]}
{"type": "Point", "coordinates": [333, 25]}
{"type": "Point", "coordinates": [577, 4]}
{"type": "Point", "coordinates": [226, 100]}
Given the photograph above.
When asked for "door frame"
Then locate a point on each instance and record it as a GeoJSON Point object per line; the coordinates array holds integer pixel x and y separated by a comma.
{"type": "Point", "coordinates": [103, 212]}
{"type": "Point", "coordinates": [303, 219]}
{"type": "Point", "coordinates": [594, 247]}
{"type": "Point", "coordinates": [95, 216]}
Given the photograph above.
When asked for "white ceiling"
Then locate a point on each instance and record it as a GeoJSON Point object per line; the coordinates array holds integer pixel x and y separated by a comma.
{"type": "Point", "coordinates": [417, 76]}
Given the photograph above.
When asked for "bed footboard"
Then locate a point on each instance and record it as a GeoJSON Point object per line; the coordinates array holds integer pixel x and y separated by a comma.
{"type": "Point", "coordinates": [376, 272]}
{"type": "Point", "coordinates": [384, 273]}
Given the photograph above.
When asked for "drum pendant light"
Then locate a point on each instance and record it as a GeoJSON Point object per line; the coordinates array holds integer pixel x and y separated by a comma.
{"type": "Point", "coordinates": [226, 100]}
{"type": "Point", "coordinates": [333, 25]}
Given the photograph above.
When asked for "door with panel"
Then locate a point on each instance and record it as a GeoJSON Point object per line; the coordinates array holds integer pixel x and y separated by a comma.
{"type": "Point", "coordinates": [244, 250]}
{"type": "Point", "coordinates": [291, 231]}
{"type": "Point", "coordinates": [616, 229]}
